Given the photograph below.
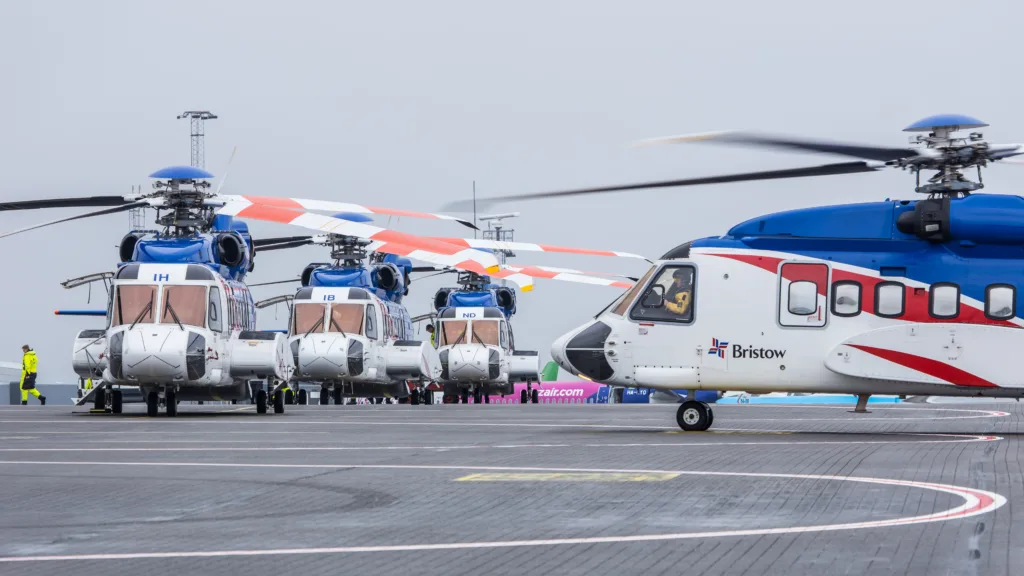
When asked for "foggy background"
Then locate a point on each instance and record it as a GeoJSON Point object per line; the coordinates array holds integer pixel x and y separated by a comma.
{"type": "Point", "coordinates": [405, 104]}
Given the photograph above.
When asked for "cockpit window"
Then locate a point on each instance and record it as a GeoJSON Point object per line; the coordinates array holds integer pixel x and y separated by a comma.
{"type": "Point", "coordinates": [131, 301]}
{"type": "Point", "coordinates": [624, 303]}
{"type": "Point", "coordinates": [486, 332]}
{"type": "Point", "coordinates": [347, 318]}
{"type": "Point", "coordinates": [669, 298]}
{"type": "Point", "coordinates": [188, 303]}
{"type": "Point", "coordinates": [306, 316]}
{"type": "Point", "coordinates": [453, 331]}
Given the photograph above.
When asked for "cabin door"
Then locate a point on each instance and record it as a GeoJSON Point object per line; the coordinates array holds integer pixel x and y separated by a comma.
{"type": "Point", "coordinates": [803, 294]}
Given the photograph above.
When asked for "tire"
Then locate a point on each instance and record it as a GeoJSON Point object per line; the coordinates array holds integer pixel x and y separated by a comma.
{"type": "Point", "coordinates": [338, 399]}
{"type": "Point", "coordinates": [152, 404]}
{"type": "Point", "coordinates": [325, 395]}
{"type": "Point", "coordinates": [261, 402]}
{"type": "Point", "coordinates": [693, 416]}
{"type": "Point", "coordinates": [536, 396]}
{"type": "Point", "coordinates": [289, 397]}
{"type": "Point", "coordinates": [172, 403]}
{"type": "Point", "coordinates": [303, 397]}
{"type": "Point", "coordinates": [477, 396]}
{"type": "Point", "coordinates": [278, 403]}
{"type": "Point", "coordinates": [487, 398]}
{"type": "Point", "coordinates": [100, 399]}
{"type": "Point", "coordinates": [116, 403]}
{"type": "Point", "coordinates": [523, 397]}
{"type": "Point", "coordinates": [464, 396]}
{"type": "Point", "coordinates": [414, 398]}
{"type": "Point", "coordinates": [711, 414]}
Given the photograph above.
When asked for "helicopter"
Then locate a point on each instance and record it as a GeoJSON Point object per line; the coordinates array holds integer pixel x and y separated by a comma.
{"type": "Point", "coordinates": [903, 297]}
{"type": "Point", "coordinates": [356, 303]}
{"type": "Point", "coordinates": [180, 319]}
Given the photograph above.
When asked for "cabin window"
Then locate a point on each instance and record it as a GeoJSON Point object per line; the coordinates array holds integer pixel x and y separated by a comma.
{"type": "Point", "coordinates": [1000, 301]}
{"type": "Point", "coordinates": [371, 324]}
{"type": "Point", "coordinates": [486, 332]}
{"type": "Point", "coordinates": [627, 299]}
{"type": "Point", "coordinates": [890, 299]}
{"type": "Point", "coordinates": [347, 318]}
{"type": "Point", "coordinates": [134, 302]}
{"type": "Point", "coordinates": [803, 294]}
{"type": "Point", "coordinates": [846, 297]}
{"type": "Point", "coordinates": [803, 298]}
{"type": "Point", "coordinates": [214, 310]}
{"type": "Point", "coordinates": [944, 300]}
{"type": "Point", "coordinates": [669, 298]}
{"type": "Point", "coordinates": [308, 317]}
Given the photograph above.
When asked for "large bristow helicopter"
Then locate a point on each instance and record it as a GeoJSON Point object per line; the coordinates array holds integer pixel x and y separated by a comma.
{"type": "Point", "coordinates": [350, 333]}
{"type": "Point", "coordinates": [907, 297]}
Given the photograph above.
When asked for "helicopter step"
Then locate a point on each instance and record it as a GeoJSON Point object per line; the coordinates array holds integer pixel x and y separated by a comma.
{"type": "Point", "coordinates": [105, 398]}
{"type": "Point", "coordinates": [339, 392]}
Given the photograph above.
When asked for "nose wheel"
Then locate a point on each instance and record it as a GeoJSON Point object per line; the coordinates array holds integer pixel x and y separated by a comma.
{"type": "Point", "coordinates": [694, 416]}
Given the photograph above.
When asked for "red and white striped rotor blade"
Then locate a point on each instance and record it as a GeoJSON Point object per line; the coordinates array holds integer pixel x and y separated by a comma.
{"type": "Point", "coordinates": [531, 247]}
{"type": "Point", "coordinates": [560, 274]}
{"type": "Point", "coordinates": [389, 241]}
{"type": "Point", "coordinates": [331, 206]}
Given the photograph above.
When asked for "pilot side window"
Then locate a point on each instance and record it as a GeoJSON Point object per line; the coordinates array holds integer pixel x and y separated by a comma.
{"type": "Point", "coordinates": [1000, 301]}
{"type": "Point", "coordinates": [627, 299]}
{"type": "Point", "coordinates": [308, 317]}
{"type": "Point", "coordinates": [347, 318]}
{"type": "Point", "coordinates": [669, 298]}
{"type": "Point", "coordinates": [846, 297]}
{"type": "Point", "coordinates": [214, 310]}
{"type": "Point", "coordinates": [504, 336]}
{"type": "Point", "coordinates": [890, 299]}
{"type": "Point", "coordinates": [371, 322]}
{"type": "Point", "coordinates": [944, 300]}
{"type": "Point", "coordinates": [134, 302]}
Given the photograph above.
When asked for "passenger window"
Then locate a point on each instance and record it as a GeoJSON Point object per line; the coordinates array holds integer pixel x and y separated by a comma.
{"type": "Point", "coordinates": [846, 296]}
{"type": "Point", "coordinates": [890, 299]}
{"type": "Point", "coordinates": [669, 298]}
{"type": "Point", "coordinates": [803, 298]}
{"type": "Point", "coordinates": [944, 300]}
{"type": "Point", "coordinates": [371, 322]}
{"type": "Point", "coordinates": [1000, 301]}
{"type": "Point", "coordinates": [215, 323]}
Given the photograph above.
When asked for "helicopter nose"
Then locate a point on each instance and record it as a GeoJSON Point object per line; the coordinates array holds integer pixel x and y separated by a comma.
{"type": "Point", "coordinates": [154, 354]}
{"type": "Point", "coordinates": [582, 352]}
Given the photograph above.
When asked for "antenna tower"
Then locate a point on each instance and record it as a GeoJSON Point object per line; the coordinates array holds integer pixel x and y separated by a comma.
{"type": "Point", "coordinates": [497, 232]}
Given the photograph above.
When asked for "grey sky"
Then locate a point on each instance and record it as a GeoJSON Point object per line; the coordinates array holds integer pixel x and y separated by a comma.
{"type": "Point", "coordinates": [404, 104]}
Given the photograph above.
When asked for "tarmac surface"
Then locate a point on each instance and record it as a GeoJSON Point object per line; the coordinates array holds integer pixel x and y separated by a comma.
{"type": "Point", "coordinates": [512, 489]}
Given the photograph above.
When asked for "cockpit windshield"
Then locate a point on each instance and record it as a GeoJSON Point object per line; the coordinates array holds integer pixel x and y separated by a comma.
{"type": "Point", "coordinates": [306, 316]}
{"type": "Point", "coordinates": [453, 332]}
{"type": "Point", "coordinates": [185, 304]}
{"type": "Point", "coordinates": [485, 332]}
{"type": "Point", "coordinates": [627, 299]}
{"type": "Point", "coordinates": [130, 303]}
{"type": "Point", "coordinates": [347, 318]}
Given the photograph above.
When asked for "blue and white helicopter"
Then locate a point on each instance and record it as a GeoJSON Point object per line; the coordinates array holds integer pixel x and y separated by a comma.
{"type": "Point", "coordinates": [180, 319]}
{"type": "Point", "coordinates": [905, 297]}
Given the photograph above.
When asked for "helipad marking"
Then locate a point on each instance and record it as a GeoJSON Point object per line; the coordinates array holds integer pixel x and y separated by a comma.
{"type": "Point", "coordinates": [975, 502]}
{"type": "Point", "coordinates": [566, 477]}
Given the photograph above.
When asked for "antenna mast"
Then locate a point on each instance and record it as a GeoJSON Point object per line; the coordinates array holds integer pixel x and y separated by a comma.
{"type": "Point", "coordinates": [497, 232]}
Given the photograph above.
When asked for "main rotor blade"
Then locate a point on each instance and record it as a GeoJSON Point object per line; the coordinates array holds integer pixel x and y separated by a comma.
{"type": "Point", "coordinates": [331, 206]}
{"type": "Point", "coordinates": [530, 247]}
{"type": "Point", "coordinates": [124, 208]}
{"type": "Point", "coordinates": [273, 283]}
{"type": "Point", "coordinates": [823, 170]}
{"type": "Point", "coordinates": [877, 153]}
{"type": "Point", "coordinates": [84, 202]}
{"type": "Point", "coordinates": [283, 245]}
{"type": "Point", "coordinates": [258, 242]}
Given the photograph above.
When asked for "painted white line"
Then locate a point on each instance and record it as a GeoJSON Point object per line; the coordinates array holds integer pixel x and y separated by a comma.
{"type": "Point", "coordinates": [975, 502]}
{"type": "Point", "coordinates": [959, 438]}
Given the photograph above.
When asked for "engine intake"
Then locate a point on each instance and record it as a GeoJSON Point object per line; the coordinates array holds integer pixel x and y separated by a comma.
{"type": "Point", "coordinates": [230, 249]}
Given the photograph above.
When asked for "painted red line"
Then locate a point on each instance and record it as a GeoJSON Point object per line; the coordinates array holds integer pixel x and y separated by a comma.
{"type": "Point", "coordinates": [428, 244]}
{"type": "Point", "coordinates": [934, 368]}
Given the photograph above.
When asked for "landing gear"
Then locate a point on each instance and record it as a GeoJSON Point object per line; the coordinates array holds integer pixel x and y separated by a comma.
{"type": "Point", "coordinates": [524, 397]}
{"type": "Point", "coordinates": [170, 398]}
{"type": "Point", "coordinates": [487, 398]}
{"type": "Point", "coordinates": [100, 399]}
{"type": "Point", "coordinates": [279, 402]}
{"type": "Point", "coordinates": [261, 402]}
{"type": "Point", "coordinates": [535, 396]}
{"type": "Point", "coordinates": [303, 397]}
{"type": "Point", "coordinates": [289, 397]}
{"type": "Point", "coordinates": [862, 404]}
{"type": "Point", "coordinates": [337, 395]}
{"type": "Point", "coordinates": [152, 404]}
{"type": "Point", "coordinates": [414, 398]}
{"type": "Point", "coordinates": [116, 403]}
{"type": "Point", "coordinates": [477, 395]}
{"type": "Point", "coordinates": [694, 416]}
{"type": "Point", "coordinates": [325, 395]}
{"type": "Point", "coordinates": [464, 395]}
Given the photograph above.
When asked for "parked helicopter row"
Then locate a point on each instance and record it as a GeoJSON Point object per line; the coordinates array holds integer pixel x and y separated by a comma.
{"type": "Point", "coordinates": [181, 322]}
{"type": "Point", "coordinates": [895, 297]}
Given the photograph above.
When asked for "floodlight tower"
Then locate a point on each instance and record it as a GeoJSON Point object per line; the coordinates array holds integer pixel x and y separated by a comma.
{"type": "Point", "coordinates": [497, 231]}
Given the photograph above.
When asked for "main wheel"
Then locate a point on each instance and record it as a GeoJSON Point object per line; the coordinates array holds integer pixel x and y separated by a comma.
{"type": "Point", "coordinates": [487, 398]}
{"type": "Point", "coordinates": [711, 414]}
{"type": "Point", "coordinates": [693, 416]}
{"type": "Point", "coordinates": [325, 395]}
{"type": "Point", "coordinates": [170, 398]}
{"type": "Point", "coordinates": [477, 395]}
{"type": "Point", "coordinates": [414, 398]}
{"type": "Point", "coordinates": [303, 397]}
{"type": "Point", "coordinates": [523, 397]}
{"type": "Point", "coordinates": [261, 402]}
{"type": "Point", "coordinates": [100, 399]}
{"type": "Point", "coordinates": [464, 396]}
{"type": "Point", "coordinates": [116, 403]}
{"type": "Point", "coordinates": [337, 395]}
{"type": "Point", "coordinates": [536, 396]}
{"type": "Point", "coordinates": [278, 403]}
{"type": "Point", "coordinates": [289, 397]}
{"type": "Point", "coordinates": [152, 404]}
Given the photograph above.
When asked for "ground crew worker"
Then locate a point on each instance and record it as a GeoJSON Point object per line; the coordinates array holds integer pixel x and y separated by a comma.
{"type": "Point", "coordinates": [433, 336]}
{"type": "Point", "coordinates": [29, 368]}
